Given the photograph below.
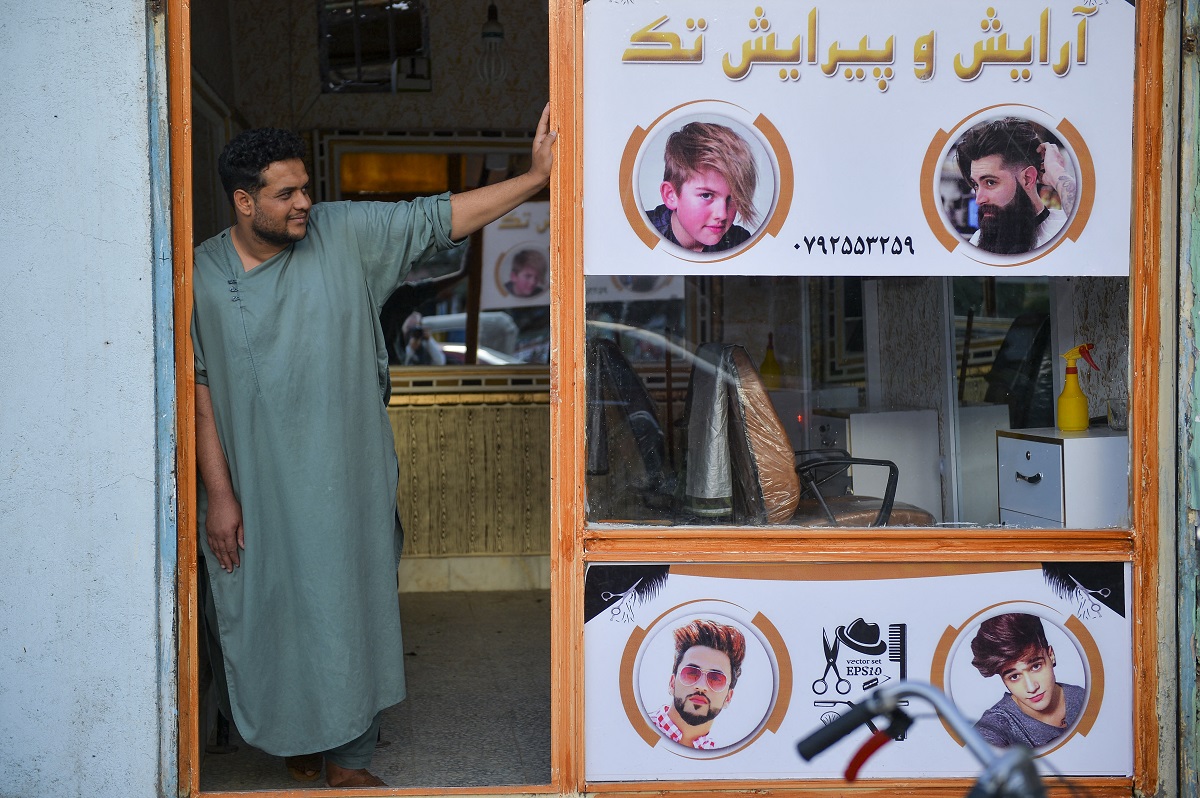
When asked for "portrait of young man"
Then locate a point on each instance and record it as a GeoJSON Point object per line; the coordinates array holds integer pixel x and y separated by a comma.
{"type": "Point", "coordinates": [707, 665]}
{"type": "Point", "coordinates": [1036, 708]}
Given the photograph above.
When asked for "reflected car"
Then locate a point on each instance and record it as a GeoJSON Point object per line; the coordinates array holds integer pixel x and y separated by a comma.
{"type": "Point", "coordinates": [456, 355]}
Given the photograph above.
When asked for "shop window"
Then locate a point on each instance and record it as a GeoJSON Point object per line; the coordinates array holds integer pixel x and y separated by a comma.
{"type": "Point", "coordinates": [706, 394]}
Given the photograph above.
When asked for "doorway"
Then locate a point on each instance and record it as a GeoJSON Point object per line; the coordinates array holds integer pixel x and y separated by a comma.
{"type": "Point", "coordinates": [474, 595]}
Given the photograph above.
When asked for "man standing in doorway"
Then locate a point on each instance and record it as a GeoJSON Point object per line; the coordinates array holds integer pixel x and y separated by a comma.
{"type": "Point", "coordinates": [295, 451]}
{"type": "Point", "coordinates": [708, 662]}
{"type": "Point", "coordinates": [1004, 161]}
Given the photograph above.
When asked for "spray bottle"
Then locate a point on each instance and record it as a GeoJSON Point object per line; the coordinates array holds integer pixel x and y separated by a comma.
{"type": "Point", "coordinates": [769, 370]}
{"type": "Point", "coordinates": [1072, 404]}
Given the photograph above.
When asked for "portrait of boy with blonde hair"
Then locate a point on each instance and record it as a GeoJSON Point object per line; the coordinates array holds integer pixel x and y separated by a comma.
{"type": "Point", "coordinates": [709, 179]}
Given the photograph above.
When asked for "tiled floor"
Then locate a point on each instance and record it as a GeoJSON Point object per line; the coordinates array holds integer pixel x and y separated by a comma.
{"type": "Point", "coordinates": [478, 706]}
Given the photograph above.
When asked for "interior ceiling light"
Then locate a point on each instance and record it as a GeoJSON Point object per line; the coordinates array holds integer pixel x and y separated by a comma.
{"type": "Point", "coordinates": [492, 67]}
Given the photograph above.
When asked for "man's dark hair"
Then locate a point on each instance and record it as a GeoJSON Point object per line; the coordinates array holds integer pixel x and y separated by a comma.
{"type": "Point", "coordinates": [1007, 638]}
{"type": "Point", "coordinates": [710, 634]}
{"type": "Point", "coordinates": [1014, 140]}
{"type": "Point", "coordinates": [250, 152]}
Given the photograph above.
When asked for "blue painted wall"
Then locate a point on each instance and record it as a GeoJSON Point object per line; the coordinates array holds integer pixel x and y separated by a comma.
{"type": "Point", "coordinates": [80, 627]}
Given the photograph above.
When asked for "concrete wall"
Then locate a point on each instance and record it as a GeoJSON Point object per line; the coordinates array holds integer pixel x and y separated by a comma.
{"type": "Point", "coordinates": [79, 622]}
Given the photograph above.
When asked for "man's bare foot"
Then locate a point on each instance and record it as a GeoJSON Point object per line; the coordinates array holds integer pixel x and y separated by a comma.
{"type": "Point", "coordinates": [306, 767]}
{"type": "Point", "coordinates": [336, 776]}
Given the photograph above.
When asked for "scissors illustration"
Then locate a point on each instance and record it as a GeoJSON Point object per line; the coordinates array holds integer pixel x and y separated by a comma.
{"type": "Point", "coordinates": [608, 595]}
{"type": "Point", "coordinates": [1087, 595]}
{"type": "Point", "coordinates": [619, 609]}
{"type": "Point", "coordinates": [821, 686]}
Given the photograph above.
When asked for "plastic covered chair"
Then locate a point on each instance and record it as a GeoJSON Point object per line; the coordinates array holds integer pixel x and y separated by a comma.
{"type": "Point", "coordinates": [740, 458]}
{"type": "Point", "coordinates": [615, 393]}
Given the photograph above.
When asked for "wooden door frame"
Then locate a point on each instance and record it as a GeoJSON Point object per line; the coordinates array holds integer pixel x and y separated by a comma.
{"type": "Point", "coordinates": [179, 88]}
{"type": "Point", "coordinates": [179, 114]}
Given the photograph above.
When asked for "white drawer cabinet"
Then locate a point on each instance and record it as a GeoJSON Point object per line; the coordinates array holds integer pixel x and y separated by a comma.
{"type": "Point", "coordinates": [1050, 478]}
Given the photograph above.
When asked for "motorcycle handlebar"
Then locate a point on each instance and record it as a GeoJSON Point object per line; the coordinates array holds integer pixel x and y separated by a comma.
{"type": "Point", "coordinates": [1009, 773]}
{"type": "Point", "coordinates": [826, 736]}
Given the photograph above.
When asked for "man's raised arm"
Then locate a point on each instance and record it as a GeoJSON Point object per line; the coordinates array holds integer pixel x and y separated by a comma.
{"type": "Point", "coordinates": [1058, 175]}
{"type": "Point", "coordinates": [471, 210]}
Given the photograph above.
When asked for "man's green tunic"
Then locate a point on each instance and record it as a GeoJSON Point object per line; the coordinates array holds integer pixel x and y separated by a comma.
{"type": "Point", "coordinates": [295, 361]}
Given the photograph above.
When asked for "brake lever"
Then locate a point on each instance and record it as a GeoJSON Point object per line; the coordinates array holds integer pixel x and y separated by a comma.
{"type": "Point", "coordinates": [896, 729]}
{"type": "Point", "coordinates": [873, 744]}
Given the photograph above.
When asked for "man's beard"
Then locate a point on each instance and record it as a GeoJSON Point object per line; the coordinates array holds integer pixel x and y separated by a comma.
{"type": "Point", "coordinates": [1013, 229]}
{"type": "Point", "coordinates": [693, 718]}
{"type": "Point", "coordinates": [259, 225]}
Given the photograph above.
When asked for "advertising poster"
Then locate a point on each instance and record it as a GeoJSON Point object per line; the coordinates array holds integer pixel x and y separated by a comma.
{"type": "Point", "coordinates": [516, 267]}
{"type": "Point", "coordinates": [698, 672]}
{"type": "Point", "coordinates": [516, 258]}
{"type": "Point", "coordinates": [858, 138]}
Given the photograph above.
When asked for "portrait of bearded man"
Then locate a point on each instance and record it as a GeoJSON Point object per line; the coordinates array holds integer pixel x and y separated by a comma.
{"type": "Point", "coordinates": [1007, 164]}
{"type": "Point", "coordinates": [707, 665]}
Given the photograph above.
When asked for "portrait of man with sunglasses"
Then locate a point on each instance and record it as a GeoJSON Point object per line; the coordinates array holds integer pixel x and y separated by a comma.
{"type": "Point", "coordinates": [708, 662]}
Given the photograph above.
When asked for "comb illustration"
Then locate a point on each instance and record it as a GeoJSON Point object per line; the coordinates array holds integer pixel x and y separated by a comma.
{"type": "Point", "coordinates": [898, 646]}
{"type": "Point", "coordinates": [898, 652]}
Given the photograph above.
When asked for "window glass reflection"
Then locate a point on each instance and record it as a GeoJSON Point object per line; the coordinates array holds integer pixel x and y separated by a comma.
{"type": "Point", "coordinates": [852, 402]}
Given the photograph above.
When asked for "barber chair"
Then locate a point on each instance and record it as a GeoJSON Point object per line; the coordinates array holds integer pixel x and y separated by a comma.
{"type": "Point", "coordinates": [745, 458]}
{"type": "Point", "coordinates": [621, 415]}
{"type": "Point", "coordinates": [847, 509]}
